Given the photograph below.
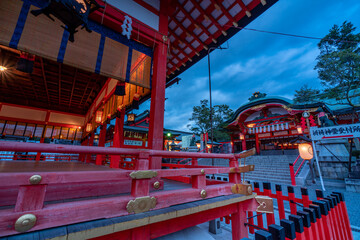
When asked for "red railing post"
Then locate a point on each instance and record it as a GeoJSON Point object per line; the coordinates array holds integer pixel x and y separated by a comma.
{"type": "Point", "coordinates": [291, 195]}
{"type": "Point", "coordinates": [292, 174]}
{"type": "Point", "coordinates": [259, 218]}
{"type": "Point", "coordinates": [140, 187]}
{"type": "Point", "coordinates": [280, 201]}
{"type": "Point", "coordinates": [344, 215]}
{"type": "Point", "coordinates": [270, 219]}
{"type": "Point", "coordinates": [194, 161]}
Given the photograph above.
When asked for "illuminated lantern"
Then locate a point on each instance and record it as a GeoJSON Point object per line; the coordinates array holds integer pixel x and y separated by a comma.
{"type": "Point", "coordinates": [88, 127]}
{"type": "Point", "coordinates": [98, 116]}
{"type": "Point", "coordinates": [242, 136]}
{"type": "Point", "coordinates": [299, 129]}
{"type": "Point", "coordinates": [306, 151]}
{"type": "Point", "coordinates": [131, 118]}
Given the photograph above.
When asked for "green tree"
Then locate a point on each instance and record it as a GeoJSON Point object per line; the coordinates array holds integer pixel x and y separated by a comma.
{"type": "Point", "coordinates": [305, 95]}
{"type": "Point", "coordinates": [338, 63]}
{"type": "Point", "coordinates": [201, 120]}
{"type": "Point", "coordinates": [338, 66]}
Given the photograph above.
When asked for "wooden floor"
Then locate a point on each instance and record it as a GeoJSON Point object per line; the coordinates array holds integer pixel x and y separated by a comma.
{"type": "Point", "coordinates": [33, 166]}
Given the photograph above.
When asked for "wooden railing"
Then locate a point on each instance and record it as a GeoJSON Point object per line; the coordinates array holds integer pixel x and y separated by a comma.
{"type": "Point", "coordinates": [132, 191]}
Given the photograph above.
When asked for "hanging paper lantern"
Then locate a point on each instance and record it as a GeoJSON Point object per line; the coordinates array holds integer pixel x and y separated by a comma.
{"type": "Point", "coordinates": [299, 129]}
{"type": "Point", "coordinates": [120, 89]}
{"type": "Point", "coordinates": [136, 101]}
{"type": "Point", "coordinates": [88, 127]}
{"type": "Point", "coordinates": [98, 116]}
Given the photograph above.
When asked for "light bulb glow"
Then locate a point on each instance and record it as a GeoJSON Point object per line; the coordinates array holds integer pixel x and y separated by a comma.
{"type": "Point", "coordinates": [2, 68]}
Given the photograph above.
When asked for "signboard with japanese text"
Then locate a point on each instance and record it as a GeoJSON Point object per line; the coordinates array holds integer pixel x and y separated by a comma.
{"type": "Point", "coordinates": [133, 142]}
{"type": "Point", "coordinates": [341, 131]}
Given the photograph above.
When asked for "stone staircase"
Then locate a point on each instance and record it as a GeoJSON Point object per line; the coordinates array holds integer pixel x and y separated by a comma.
{"type": "Point", "coordinates": [274, 168]}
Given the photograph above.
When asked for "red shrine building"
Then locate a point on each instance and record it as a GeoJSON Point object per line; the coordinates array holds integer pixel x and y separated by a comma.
{"type": "Point", "coordinates": [272, 124]}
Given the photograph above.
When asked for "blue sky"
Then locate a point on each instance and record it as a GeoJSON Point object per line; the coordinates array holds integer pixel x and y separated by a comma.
{"type": "Point", "coordinates": [276, 65]}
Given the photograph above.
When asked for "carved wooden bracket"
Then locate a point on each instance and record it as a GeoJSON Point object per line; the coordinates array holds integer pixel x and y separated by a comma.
{"type": "Point", "coordinates": [143, 174]}
{"type": "Point", "coordinates": [265, 204]}
{"type": "Point", "coordinates": [243, 188]}
{"type": "Point", "coordinates": [141, 204]}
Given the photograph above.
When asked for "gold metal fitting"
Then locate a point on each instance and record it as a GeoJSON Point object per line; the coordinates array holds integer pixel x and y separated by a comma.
{"type": "Point", "coordinates": [156, 185]}
{"type": "Point", "coordinates": [143, 174]}
{"type": "Point", "coordinates": [203, 193]}
{"type": "Point", "coordinates": [202, 171]}
{"type": "Point", "coordinates": [25, 222]}
{"type": "Point", "coordinates": [141, 204]}
{"type": "Point", "coordinates": [35, 179]}
{"type": "Point", "coordinates": [165, 38]}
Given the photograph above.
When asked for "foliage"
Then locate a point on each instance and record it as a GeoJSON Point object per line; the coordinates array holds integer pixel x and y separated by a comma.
{"type": "Point", "coordinates": [305, 94]}
{"type": "Point", "coordinates": [201, 120]}
{"type": "Point", "coordinates": [338, 63]}
{"type": "Point", "coordinates": [355, 153]}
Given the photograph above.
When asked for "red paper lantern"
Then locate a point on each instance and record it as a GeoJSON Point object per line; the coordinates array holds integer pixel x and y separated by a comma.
{"type": "Point", "coordinates": [98, 116]}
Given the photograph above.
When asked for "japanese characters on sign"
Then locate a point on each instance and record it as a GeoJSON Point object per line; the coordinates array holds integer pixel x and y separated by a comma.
{"type": "Point", "coordinates": [341, 131]}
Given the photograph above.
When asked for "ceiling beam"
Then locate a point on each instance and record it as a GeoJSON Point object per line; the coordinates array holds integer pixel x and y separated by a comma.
{"type": "Point", "coordinates": [59, 83]}
{"type": "Point", "coordinates": [44, 78]}
{"type": "Point", "coordinates": [73, 86]}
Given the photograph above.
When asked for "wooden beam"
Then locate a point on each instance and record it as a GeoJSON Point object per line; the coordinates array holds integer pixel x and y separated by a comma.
{"type": "Point", "coordinates": [44, 78]}
{"type": "Point", "coordinates": [59, 83]}
{"type": "Point", "coordinates": [73, 86]}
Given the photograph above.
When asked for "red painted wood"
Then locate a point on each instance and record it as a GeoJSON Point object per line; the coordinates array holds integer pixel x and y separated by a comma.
{"type": "Point", "coordinates": [117, 141]}
{"type": "Point", "coordinates": [257, 143]}
{"type": "Point", "coordinates": [60, 148]}
{"type": "Point", "coordinates": [280, 203]}
{"type": "Point", "coordinates": [142, 233]}
{"type": "Point", "coordinates": [100, 158]}
{"type": "Point", "coordinates": [30, 198]}
{"type": "Point", "coordinates": [90, 143]}
{"type": "Point", "coordinates": [243, 143]}
{"type": "Point", "coordinates": [38, 155]}
{"type": "Point", "coordinates": [56, 192]}
{"type": "Point", "coordinates": [140, 187]}
{"type": "Point", "coordinates": [198, 181]}
{"type": "Point", "coordinates": [156, 126]}
{"type": "Point", "coordinates": [238, 220]}
{"type": "Point", "coordinates": [177, 224]}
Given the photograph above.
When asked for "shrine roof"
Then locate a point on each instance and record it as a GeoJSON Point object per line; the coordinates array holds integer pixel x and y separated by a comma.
{"type": "Point", "coordinates": [197, 28]}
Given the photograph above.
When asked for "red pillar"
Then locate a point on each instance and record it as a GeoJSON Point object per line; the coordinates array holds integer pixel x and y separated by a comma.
{"type": "Point", "coordinates": [82, 156]}
{"type": "Point", "coordinates": [232, 144]}
{"type": "Point", "coordinates": [39, 153]}
{"type": "Point", "coordinates": [118, 139]}
{"type": "Point", "coordinates": [243, 142]}
{"type": "Point", "coordinates": [99, 158]}
{"type": "Point", "coordinates": [238, 220]}
{"type": "Point", "coordinates": [156, 127]}
{"type": "Point", "coordinates": [257, 143]}
{"type": "Point", "coordinates": [91, 143]}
